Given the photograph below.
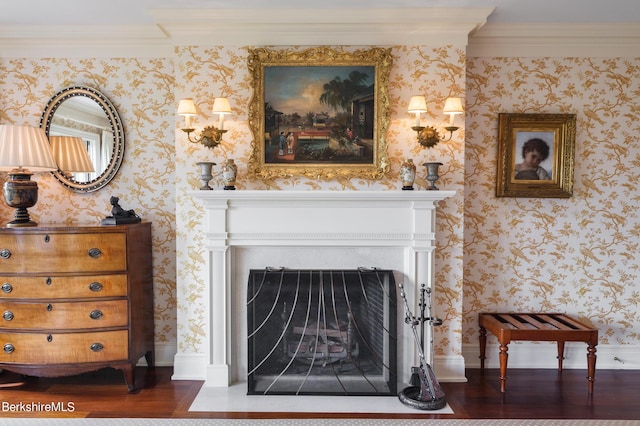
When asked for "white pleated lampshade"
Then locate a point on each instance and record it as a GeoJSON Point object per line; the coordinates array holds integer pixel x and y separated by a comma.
{"type": "Point", "coordinates": [417, 104]}
{"type": "Point", "coordinates": [187, 107]}
{"type": "Point", "coordinates": [71, 154]}
{"type": "Point", "coordinates": [453, 106]}
{"type": "Point", "coordinates": [221, 106]}
{"type": "Point", "coordinates": [25, 147]}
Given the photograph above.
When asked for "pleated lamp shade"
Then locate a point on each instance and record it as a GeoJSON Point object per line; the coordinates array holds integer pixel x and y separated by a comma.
{"type": "Point", "coordinates": [71, 154]}
{"type": "Point", "coordinates": [25, 147]}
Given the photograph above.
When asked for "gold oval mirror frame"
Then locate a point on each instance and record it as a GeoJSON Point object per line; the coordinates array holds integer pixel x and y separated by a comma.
{"type": "Point", "coordinates": [87, 113]}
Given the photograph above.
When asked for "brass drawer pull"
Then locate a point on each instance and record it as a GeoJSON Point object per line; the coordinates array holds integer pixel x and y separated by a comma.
{"type": "Point", "coordinates": [7, 288]}
{"type": "Point", "coordinates": [97, 314]}
{"type": "Point", "coordinates": [5, 253]}
{"type": "Point", "coordinates": [95, 252]}
{"type": "Point", "coordinates": [96, 347]}
{"type": "Point", "coordinates": [95, 286]}
{"type": "Point", "coordinates": [9, 348]}
{"type": "Point", "coordinates": [7, 315]}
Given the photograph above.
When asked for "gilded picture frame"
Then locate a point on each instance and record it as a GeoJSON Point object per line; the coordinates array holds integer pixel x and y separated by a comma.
{"type": "Point", "coordinates": [536, 155]}
{"type": "Point", "coordinates": [319, 113]}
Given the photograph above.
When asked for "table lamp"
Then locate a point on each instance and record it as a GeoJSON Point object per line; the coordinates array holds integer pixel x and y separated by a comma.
{"type": "Point", "coordinates": [23, 150]}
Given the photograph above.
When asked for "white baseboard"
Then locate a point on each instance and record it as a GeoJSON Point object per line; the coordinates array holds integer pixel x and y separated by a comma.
{"type": "Point", "coordinates": [163, 353]}
{"type": "Point", "coordinates": [544, 355]}
{"type": "Point", "coordinates": [449, 368]}
{"type": "Point", "coordinates": [189, 367]}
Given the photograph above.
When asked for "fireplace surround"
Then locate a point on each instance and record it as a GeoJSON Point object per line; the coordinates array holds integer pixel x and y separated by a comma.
{"type": "Point", "coordinates": [244, 230]}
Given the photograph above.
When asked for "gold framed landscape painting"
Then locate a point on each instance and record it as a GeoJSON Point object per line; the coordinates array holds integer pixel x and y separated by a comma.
{"type": "Point", "coordinates": [319, 112]}
{"type": "Point", "coordinates": [536, 155]}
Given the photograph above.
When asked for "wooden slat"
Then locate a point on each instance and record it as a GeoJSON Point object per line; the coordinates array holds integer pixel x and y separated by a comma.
{"type": "Point", "coordinates": [552, 320]}
{"type": "Point", "coordinates": [534, 322]}
{"type": "Point", "coordinates": [511, 320]}
{"type": "Point", "coordinates": [577, 324]}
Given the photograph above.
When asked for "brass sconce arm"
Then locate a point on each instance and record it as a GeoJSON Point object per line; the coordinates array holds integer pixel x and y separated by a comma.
{"type": "Point", "coordinates": [429, 137]}
{"type": "Point", "coordinates": [210, 136]}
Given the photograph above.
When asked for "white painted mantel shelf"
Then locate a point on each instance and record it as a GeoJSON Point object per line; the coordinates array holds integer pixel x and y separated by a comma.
{"type": "Point", "coordinates": [256, 229]}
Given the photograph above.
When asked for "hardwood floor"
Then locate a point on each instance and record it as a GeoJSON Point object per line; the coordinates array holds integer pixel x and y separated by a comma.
{"type": "Point", "coordinates": [530, 394]}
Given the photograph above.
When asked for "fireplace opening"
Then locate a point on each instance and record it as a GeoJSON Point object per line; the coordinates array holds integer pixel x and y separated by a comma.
{"type": "Point", "coordinates": [321, 332]}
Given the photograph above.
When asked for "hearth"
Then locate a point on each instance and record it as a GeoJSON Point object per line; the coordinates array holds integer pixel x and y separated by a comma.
{"type": "Point", "coordinates": [321, 332]}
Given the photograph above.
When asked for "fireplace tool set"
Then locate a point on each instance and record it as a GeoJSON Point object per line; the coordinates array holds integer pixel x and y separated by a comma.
{"type": "Point", "coordinates": [425, 392]}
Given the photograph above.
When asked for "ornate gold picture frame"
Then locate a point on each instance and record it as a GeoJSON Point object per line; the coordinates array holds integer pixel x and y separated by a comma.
{"type": "Point", "coordinates": [319, 112]}
{"type": "Point", "coordinates": [536, 155]}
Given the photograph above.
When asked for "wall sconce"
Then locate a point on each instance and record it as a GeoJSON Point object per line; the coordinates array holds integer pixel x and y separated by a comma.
{"type": "Point", "coordinates": [428, 136]}
{"type": "Point", "coordinates": [23, 147]}
{"type": "Point", "coordinates": [210, 136]}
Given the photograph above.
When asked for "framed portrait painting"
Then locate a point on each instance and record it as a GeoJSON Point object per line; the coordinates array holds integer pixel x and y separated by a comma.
{"type": "Point", "coordinates": [319, 112]}
{"type": "Point", "coordinates": [536, 155]}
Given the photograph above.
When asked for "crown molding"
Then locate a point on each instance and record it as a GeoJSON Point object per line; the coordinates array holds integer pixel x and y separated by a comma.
{"type": "Point", "coordinates": [56, 41]}
{"type": "Point", "coordinates": [402, 26]}
{"type": "Point", "coordinates": [242, 27]}
{"type": "Point", "coordinates": [555, 40]}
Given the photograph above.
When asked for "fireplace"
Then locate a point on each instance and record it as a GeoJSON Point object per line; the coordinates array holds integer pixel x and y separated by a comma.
{"type": "Point", "coordinates": [308, 230]}
{"type": "Point", "coordinates": [321, 332]}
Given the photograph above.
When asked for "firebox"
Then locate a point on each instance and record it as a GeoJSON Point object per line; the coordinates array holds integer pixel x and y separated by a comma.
{"type": "Point", "coordinates": [315, 332]}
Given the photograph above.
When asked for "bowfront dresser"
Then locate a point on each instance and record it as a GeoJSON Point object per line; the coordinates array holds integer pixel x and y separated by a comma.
{"type": "Point", "coordinates": [76, 299]}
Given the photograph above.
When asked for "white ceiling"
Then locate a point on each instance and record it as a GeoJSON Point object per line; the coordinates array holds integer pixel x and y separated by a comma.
{"type": "Point", "coordinates": [137, 12]}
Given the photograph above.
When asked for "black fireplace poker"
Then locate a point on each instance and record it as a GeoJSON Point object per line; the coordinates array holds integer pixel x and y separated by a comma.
{"type": "Point", "coordinates": [425, 392]}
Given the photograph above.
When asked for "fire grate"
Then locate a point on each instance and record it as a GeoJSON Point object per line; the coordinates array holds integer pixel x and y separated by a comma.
{"type": "Point", "coordinates": [322, 332]}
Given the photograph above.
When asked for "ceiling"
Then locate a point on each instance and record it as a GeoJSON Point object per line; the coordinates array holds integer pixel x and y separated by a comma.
{"type": "Point", "coordinates": [137, 12]}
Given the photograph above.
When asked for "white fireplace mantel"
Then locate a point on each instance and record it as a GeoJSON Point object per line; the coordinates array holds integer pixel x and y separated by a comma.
{"type": "Point", "coordinates": [319, 229]}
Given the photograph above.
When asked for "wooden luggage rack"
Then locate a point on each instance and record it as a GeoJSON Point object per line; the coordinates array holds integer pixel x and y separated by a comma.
{"type": "Point", "coordinates": [553, 327]}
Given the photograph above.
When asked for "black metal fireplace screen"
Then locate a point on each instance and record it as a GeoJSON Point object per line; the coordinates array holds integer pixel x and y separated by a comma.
{"type": "Point", "coordinates": [322, 332]}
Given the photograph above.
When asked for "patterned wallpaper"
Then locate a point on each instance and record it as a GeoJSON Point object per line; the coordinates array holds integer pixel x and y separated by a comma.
{"type": "Point", "coordinates": [205, 73]}
{"type": "Point", "coordinates": [576, 255]}
{"type": "Point", "coordinates": [142, 92]}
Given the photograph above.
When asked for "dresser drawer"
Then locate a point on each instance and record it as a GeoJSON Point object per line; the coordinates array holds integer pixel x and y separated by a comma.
{"type": "Point", "coordinates": [59, 287]}
{"type": "Point", "coordinates": [63, 315]}
{"type": "Point", "coordinates": [41, 348]}
{"type": "Point", "coordinates": [52, 252]}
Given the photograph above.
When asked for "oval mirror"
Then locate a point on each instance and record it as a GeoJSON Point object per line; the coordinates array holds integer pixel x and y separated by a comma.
{"type": "Point", "coordinates": [83, 117]}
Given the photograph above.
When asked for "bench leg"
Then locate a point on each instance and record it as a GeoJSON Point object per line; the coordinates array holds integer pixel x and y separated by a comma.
{"type": "Point", "coordinates": [591, 366]}
{"type": "Point", "coordinates": [560, 354]}
{"type": "Point", "coordinates": [483, 347]}
{"type": "Point", "coordinates": [504, 357]}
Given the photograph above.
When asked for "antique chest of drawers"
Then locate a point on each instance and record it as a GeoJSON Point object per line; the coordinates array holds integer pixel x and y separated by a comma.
{"type": "Point", "coordinates": [76, 299]}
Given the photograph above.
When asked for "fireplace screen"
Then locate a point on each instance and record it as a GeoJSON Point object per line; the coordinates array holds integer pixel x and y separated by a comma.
{"type": "Point", "coordinates": [327, 332]}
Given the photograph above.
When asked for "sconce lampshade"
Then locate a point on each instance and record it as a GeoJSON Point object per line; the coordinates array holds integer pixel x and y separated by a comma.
{"type": "Point", "coordinates": [417, 104]}
{"type": "Point", "coordinates": [187, 107]}
{"type": "Point", "coordinates": [23, 150]}
{"type": "Point", "coordinates": [221, 106]}
{"type": "Point", "coordinates": [71, 154]}
{"type": "Point", "coordinates": [453, 106]}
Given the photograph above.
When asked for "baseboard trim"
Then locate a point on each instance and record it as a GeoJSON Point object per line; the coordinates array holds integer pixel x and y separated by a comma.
{"type": "Point", "coordinates": [544, 355]}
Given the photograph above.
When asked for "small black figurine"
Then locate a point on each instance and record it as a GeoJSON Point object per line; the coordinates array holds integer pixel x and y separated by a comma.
{"type": "Point", "coordinates": [120, 215]}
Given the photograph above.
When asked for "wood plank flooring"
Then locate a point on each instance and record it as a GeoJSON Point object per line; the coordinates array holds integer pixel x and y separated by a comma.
{"type": "Point", "coordinates": [531, 394]}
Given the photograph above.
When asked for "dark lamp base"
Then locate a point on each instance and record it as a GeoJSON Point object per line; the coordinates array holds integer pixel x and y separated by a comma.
{"type": "Point", "coordinates": [20, 192]}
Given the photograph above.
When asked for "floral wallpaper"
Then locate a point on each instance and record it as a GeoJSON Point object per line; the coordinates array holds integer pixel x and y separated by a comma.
{"type": "Point", "coordinates": [575, 255]}
{"type": "Point", "coordinates": [206, 73]}
{"type": "Point", "coordinates": [142, 92]}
